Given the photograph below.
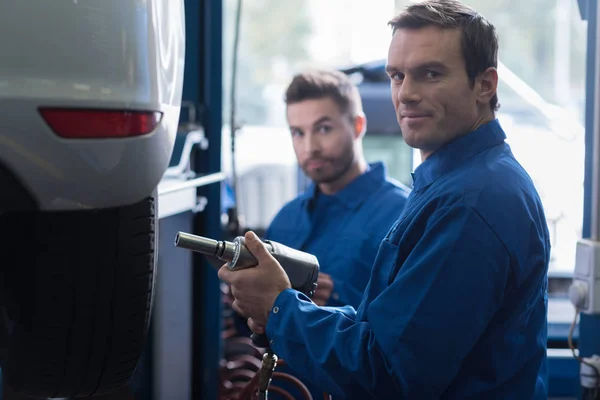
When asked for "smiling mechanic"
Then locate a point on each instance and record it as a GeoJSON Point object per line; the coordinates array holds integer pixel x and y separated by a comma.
{"type": "Point", "coordinates": [456, 305]}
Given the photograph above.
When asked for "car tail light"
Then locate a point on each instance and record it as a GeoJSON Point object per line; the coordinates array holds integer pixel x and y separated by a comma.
{"type": "Point", "coordinates": [100, 124]}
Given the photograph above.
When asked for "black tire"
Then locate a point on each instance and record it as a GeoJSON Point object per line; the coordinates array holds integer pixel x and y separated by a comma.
{"type": "Point", "coordinates": [77, 290]}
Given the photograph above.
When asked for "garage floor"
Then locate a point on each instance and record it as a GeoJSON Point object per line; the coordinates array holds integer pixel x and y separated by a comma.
{"type": "Point", "coordinates": [122, 394]}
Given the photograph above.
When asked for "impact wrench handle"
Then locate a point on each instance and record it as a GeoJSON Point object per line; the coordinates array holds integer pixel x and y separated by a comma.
{"type": "Point", "coordinates": [260, 340]}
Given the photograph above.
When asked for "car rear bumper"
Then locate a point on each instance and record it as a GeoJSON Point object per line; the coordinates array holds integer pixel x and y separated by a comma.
{"type": "Point", "coordinates": [67, 174]}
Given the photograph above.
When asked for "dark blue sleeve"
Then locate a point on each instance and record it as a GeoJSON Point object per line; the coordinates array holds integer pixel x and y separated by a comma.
{"type": "Point", "coordinates": [417, 331]}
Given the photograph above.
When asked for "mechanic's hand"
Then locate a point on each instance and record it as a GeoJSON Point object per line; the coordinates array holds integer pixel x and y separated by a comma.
{"type": "Point", "coordinates": [324, 289]}
{"type": "Point", "coordinates": [255, 289]}
{"type": "Point", "coordinates": [256, 328]}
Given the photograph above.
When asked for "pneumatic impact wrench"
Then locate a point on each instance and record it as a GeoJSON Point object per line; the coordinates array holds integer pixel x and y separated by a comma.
{"type": "Point", "coordinates": [301, 268]}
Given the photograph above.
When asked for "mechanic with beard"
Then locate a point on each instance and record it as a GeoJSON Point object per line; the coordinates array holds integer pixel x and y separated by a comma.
{"type": "Point", "coordinates": [350, 205]}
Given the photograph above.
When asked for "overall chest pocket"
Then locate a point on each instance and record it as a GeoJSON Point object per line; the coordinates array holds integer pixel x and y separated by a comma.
{"type": "Point", "coordinates": [385, 263]}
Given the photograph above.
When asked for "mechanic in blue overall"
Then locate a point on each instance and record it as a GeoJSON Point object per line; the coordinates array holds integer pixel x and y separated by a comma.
{"type": "Point", "coordinates": [456, 306]}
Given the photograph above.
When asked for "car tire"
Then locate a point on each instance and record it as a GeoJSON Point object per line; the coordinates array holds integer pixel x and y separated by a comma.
{"type": "Point", "coordinates": [77, 290]}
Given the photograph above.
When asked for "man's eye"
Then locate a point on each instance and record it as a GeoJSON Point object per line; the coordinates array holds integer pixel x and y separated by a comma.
{"type": "Point", "coordinates": [324, 129]}
{"type": "Point", "coordinates": [397, 77]}
{"type": "Point", "coordinates": [432, 74]}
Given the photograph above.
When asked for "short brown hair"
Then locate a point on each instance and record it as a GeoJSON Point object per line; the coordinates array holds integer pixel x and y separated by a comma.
{"type": "Point", "coordinates": [479, 38]}
{"type": "Point", "coordinates": [318, 84]}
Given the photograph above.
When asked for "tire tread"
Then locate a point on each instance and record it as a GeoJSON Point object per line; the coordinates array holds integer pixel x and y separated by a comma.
{"type": "Point", "coordinates": [80, 302]}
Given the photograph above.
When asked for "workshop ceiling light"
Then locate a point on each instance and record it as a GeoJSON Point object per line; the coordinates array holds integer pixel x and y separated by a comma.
{"type": "Point", "coordinates": [70, 123]}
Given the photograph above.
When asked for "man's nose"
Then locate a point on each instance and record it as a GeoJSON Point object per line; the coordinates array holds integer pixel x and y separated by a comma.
{"type": "Point", "coordinates": [409, 92]}
{"type": "Point", "coordinates": [311, 144]}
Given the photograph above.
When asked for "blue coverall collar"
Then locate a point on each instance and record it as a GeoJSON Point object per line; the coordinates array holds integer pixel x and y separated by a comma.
{"type": "Point", "coordinates": [357, 191]}
{"type": "Point", "coordinates": [456, 153]}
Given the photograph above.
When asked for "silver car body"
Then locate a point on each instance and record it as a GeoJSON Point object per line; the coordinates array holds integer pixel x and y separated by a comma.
{"type": "Point", "coordinates": [88, 54]}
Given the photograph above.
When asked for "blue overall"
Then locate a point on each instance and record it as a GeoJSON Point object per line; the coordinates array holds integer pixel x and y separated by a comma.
{"type": "Point", "coordinates": [456, 305]}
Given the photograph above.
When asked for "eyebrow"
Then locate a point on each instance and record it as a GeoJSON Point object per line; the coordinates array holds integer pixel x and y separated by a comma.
{"type": "Point", "coordinates": [432, 64]}
{"type": "Point", "coordinates": [427, 65]}
{"type": "Point", "coordinates": [321, 120]}
{"type": "Point", "coordinates": [317, 122]}
{"type": "Point", "coordinates": [390, 70]}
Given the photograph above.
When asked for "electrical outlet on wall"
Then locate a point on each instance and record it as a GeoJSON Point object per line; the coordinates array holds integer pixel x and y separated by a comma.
{"type": "Point", "coordinates": [584, 292]}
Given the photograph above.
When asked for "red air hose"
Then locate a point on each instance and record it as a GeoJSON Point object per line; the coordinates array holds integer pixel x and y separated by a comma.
{"type": "Point", "coordinates": [242, 361]}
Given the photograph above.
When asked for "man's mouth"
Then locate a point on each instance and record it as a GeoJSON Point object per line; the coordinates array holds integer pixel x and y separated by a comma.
{"type": "Point", "coordinates": [313, 164]}
{"type": "Point", "coordinates": [414, 115]}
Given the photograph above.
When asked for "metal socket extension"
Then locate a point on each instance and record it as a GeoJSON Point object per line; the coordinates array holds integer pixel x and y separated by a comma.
{"type": "Point", "coordinates": [234, 253]}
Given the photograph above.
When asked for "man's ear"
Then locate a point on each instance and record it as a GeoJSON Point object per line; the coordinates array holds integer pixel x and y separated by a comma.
{"type": "Point", "coordinates": [487, 85]}
{"type": "Point", "coordinates": [360, 125]}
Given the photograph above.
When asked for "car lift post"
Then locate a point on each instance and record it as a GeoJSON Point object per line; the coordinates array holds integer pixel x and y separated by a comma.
{"type": "Point", "coordinates": [203, 72]}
